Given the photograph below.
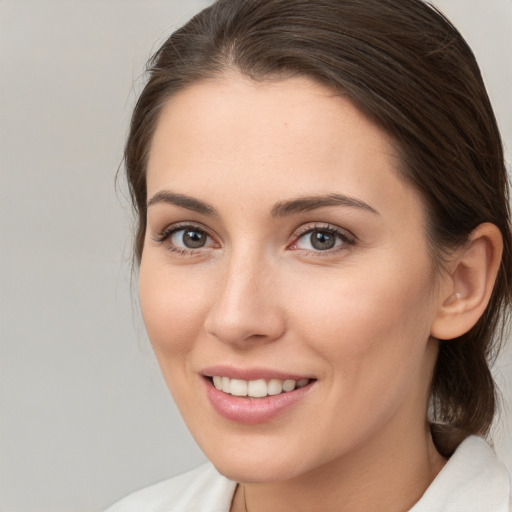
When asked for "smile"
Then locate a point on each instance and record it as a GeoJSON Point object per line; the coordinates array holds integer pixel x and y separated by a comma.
{"type": "Point", "coordinates": [259, 388]}
{"type": "Point", "coordinates": [259, 397]}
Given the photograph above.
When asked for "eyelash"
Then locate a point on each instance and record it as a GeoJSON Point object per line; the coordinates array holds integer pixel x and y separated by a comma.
{"type": "Point", "coordinates": [346, 238]}
{"type": "Point", "coordinates": [169, 231]}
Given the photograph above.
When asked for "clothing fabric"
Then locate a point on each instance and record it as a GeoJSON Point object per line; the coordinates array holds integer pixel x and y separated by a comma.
{"type": "Point", "coordinates": [473, 480]}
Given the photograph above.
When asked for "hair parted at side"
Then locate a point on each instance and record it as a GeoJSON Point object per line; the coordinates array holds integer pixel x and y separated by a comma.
{"type": "Point", "coordinates": [407, 68]}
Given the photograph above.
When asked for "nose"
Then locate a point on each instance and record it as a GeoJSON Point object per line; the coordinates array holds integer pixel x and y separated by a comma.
{"type": "Point", "coordinates": [247, 307]}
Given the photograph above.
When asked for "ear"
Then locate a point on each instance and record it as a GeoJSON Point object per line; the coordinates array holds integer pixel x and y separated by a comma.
{"type": "Point", "coordinates": [468, 286]}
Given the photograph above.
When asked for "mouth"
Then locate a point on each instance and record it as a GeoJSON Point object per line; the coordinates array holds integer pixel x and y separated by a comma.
{"type": "Point", "coordinates": [254, 396]}
{"type": "Point", "coordinates": [258, 388]}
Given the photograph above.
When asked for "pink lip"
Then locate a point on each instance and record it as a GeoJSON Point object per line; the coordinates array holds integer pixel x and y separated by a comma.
{"type": "Point", "coordinates": [251, 373]}
{"type": "Point", "coordinates": [251, 411]}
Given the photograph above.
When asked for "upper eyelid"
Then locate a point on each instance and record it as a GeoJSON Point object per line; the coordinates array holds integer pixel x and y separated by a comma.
{"type": "Point", "coordinates": [170, 229]}
{"type": "Point", "coordinates": [319, 226]}
{"type": "Point", "coordinates": [176, 226]}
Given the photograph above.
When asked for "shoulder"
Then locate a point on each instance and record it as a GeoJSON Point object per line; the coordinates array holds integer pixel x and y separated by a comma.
{"type": "Point", "coordinates": [472, 480]}
{"type": "Point", "coordinates": [200, 490]}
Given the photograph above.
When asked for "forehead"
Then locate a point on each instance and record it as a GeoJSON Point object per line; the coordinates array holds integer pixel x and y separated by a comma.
{"type": "Point", "coordinates": [265, 139]}
{"type": "Point", "coordinates": [247, 114]}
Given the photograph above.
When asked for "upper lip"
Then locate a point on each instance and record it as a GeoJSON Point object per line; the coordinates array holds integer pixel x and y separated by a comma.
{"type": "Point", "coordinates": [253, 373]}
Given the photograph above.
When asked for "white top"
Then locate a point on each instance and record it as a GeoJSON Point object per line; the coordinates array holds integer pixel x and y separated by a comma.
{"type": "Point", "coordinates": [473, 480]}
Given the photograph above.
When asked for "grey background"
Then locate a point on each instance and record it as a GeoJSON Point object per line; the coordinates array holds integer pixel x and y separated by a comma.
{"type": "Point", "coordinates": [84, 414]}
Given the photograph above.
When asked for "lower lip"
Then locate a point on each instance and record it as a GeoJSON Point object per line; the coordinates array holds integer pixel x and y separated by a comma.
{"type": "Point", "coordinates": [251, 411]}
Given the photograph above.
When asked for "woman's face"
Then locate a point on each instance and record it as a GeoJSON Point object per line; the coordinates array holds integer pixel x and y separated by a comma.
{"type": "Point", "coordinates": [282, 245]}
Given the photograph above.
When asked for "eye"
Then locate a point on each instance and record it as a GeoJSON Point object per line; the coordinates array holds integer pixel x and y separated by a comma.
{"type": "Point", "coordinates": [185, 239]}
{"type": "Point", "coordinates": [322, 239]}
{"type": "Point", "coordinates": [190, 238]}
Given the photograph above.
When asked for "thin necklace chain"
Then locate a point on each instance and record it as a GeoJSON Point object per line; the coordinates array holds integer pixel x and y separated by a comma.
{"type": "Point", "coordinates": [245, 502]}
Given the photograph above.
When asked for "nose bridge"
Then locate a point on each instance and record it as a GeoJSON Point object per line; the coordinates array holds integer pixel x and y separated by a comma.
{"type": "Point", "coordinates": [246, 306]}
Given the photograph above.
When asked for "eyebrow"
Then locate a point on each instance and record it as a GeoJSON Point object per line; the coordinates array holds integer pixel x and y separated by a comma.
{"type": "Point", "coordinates": [305, 204]}
{"type": "Point", "coordinates": [183, 201]}
{"type": "Point", "coordinates": [280, 209]}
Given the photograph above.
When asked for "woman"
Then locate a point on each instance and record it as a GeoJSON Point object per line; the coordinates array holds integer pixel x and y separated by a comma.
{"type": "Point", "coordinates": [324, 247]}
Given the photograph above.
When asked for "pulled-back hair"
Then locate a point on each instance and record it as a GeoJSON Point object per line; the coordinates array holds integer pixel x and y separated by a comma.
{"type": "Point", "coordinates": [407, 68]}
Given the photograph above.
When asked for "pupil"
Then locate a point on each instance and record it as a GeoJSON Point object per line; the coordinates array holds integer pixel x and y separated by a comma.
{"type": "Point", "coordinates": [322, 240]}
{"type": "Point", "coordinates": [194, 239]}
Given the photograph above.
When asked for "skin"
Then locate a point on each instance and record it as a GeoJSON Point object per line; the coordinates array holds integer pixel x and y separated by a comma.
{"type": "Point", "coordinates": [357, 318]}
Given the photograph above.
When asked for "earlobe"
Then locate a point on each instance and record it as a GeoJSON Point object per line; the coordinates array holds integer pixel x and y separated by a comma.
{"type": "Point", "coordinates": [471, 281]}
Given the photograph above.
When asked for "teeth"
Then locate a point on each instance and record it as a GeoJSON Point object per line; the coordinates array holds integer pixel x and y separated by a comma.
{"type": "Point", "coordinates": [238, 387]}
{"type": "Point", "coordinates": [217, 382]}
{"type": "Point", "coordinates": [257, 388]}
{"type": "Point", "coordinates": [289, 385]}
{"type": "Point", "coordinates": [274, 387]}
{"type": "Point", "coordinates": [302, 382]}
{"type": "Point", "coordinates": [226, 384]}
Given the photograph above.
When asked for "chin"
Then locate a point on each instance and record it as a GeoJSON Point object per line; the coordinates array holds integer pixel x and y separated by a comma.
{"type": "Point", "coordinates": [252, 471]}
{"type": "Point", "coordinates": [251, 461]}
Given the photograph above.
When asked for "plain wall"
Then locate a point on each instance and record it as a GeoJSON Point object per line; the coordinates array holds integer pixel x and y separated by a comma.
{"type": "Point", "coordinates": [84, 414]}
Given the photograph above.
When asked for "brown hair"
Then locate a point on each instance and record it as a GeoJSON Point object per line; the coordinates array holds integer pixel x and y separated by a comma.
{"type": "Point", "coordinates": [404, 65]}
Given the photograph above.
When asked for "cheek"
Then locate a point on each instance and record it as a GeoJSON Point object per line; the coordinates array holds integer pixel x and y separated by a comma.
{"type": "Point", "coordinates": [173, 305]}
{"type": "Point", "coordinates": [369, 318]}
{"type": "Point", "coordinates": [372, 333]}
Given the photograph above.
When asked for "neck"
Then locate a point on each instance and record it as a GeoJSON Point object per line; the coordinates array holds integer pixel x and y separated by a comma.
{"type": "Point", "coordinates": [392, 478]}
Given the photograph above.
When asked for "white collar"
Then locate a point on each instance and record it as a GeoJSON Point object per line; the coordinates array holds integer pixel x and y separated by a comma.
{"type": "Point", "coordinates": [473, 480]}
